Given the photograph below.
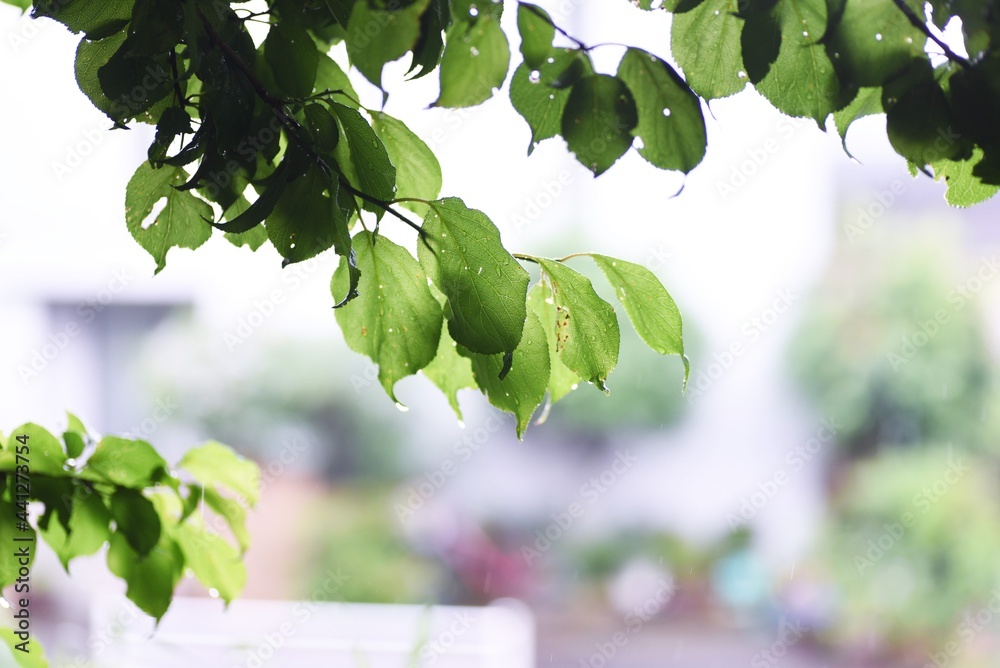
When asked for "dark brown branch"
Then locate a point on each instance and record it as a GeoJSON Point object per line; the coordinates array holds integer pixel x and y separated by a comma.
{"type": "Point", "coordinates": [921, 25]}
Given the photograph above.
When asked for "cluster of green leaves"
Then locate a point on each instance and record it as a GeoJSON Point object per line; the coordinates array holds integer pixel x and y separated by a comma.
{"type": "Point", "coordinates": [119, 492]}
{"type": "Point", "coordinates": [847, 59]}
{"type": "Point", "coordinates": [894, 354]}
{"type": "Point", "coordinates": [269, 143]}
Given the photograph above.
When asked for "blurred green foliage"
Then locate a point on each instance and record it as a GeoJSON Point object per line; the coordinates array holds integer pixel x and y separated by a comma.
{"type": "Point", "coordinates": [892, 349]}
{"type": "Point", "coordinates": [353, 532]}
{"type": "Point", "coordinates": [913, 546]}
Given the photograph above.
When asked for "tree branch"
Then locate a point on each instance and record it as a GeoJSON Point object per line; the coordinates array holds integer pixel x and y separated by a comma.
{"type": "Point", "coordinates": [294, 129]}
{"type": "Point", "coordinates": [922, 27]}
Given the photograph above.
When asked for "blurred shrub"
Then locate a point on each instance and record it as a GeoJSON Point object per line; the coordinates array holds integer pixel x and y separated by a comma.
{"type": "Point", "coordinates": [913, 546]}
{"type": "Point", "coordinates": [892, 348]}
{"type": "Point", "coordinates": [352, 532]}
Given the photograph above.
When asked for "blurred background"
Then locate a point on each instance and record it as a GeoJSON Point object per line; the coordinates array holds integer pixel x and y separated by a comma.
{"type": "Point", "coordinates": [824, 493]}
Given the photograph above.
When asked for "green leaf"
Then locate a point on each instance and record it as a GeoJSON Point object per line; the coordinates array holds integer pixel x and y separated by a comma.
{"type": "Point", "coordinates": [45, 452]}
{"type": "Point", "coordinates": [450, 371]}
{"type": "Point", "coordinates": [231, 511]}
{"type": "Point", "coordinates": [377, 36]}
{"type": "Point", "coordinates": [125, 462]}
{"type": "Point", "coordinates": [475, 62]}
{"type": "Point", "coordinates": [540, 102]}
{"type": "Point", "coordinates": [598, 121]}
{"type": "Point", "coordinates": [872, 42]}
{"type": "Point", "coordinates": [671, 124]}
{"type": "Point", "coordinates": [587, 331]}
{"type": "Point", "coordinates": [151, 580]}
{"type": "Point", "coordinates": [322, 127]}
{"type": "Point", "coordinates": [801, 59]}
{"type": "Point", "coordinates": [293, 58]}
{"type": "Point", "coordinates": [418, 173]}
{"type": "Point", "coordinates": [867, 102]}
{"type": "Point", "coordinates": [650, 307]}
{"type": "Point", "coordinates": [706, 44]}
{"type": "Point", "coordinates": [91, 56]}
{"type": "Point", "coordinates": [10, 545]}
{"type": "Point", "coordinates": [75, 437]}
{"type": "Point", "coordinates": [215, 563]}
{"type": "Point", "coordinates": [136, 519]}
{"type": "Point", "coordinates": [484, 284]}
{"type": "Point", "coordinates": [214, 464]}
{"type": "Point", "coordinates": [395, 319]}
{"type": "Point", "coordinates": [15, 658]}
{"type": "Point", "coordinates": [93, 18]}
{"type": "Point", "coordinates": [181, 223]}
{"type": "Point", "coordinates": [306, 220]}
{"type": "Point", "coordinates": [255, 237]}
{"type": "Point", "coordinates": [522, 389]}
{"type": "Point", "coordinates": [964, 189]}
{"type": "Point", "coordinates": [537, 32]}
{"type": "Point", "coordinates": [330, 76]}
{"type": "Point", "coordinates": [374, 171]}
{"type": "Point", "coordinates": [919, 121]}
{"type": "Point", "coordinates": [562, 379]}
{"type": "Point", "coordinates": [89, 528]}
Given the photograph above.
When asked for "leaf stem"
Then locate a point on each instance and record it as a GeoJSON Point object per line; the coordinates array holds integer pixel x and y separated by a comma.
{"type": "Point", "coordinates": [922, 26]}
{"type": "Point", "coordinates": [294, 129]}
{"type": "Point", "coordinates": [540, 14]}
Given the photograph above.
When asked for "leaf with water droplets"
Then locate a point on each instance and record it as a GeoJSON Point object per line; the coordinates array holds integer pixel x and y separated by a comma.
{"type": "Point", "coordinates": [598, 120]}
{"type": "Point", "coordinates": [487, 308]}
{"type": "Point", "coordinates": [650, 307]}
{"type": "Point", "coordinates": [671, 124]}
{"type": "Point", "coordinates": [706, 44]}
{"type": "Point", "coordinates": [562, 380]}
{"type": "Point", "coordinates": [587, 333]}
{"type": "Point", "coordinates": [450, 371]}
{"type": "Point", "coordinates": [394, 320]}
{"type": "Point", "coordinates": [475, 62]}
{"type": "Point", "coordinates": [521, 391]}
{"type": "Point", "coordinates": [871, 41]}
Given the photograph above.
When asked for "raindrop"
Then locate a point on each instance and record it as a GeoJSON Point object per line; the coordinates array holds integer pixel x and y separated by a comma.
{"type": "Point", "coordinates": [551, 60]}
{"type": "Point", "coordinates": [741, 74]}
{"type": "Point", "coordinates": [666, 111]}
{"type": "Point", "coordinates": [716, 12]}
{"type": "Point", "coordinates": [805, 33]}
{"type": "Point", "coordinates": [535, 76]}
{"type": "Point", "coordinates": [878, 37]}
{"type": "Point", "coordinates": [390, 330]}
{"type": "Point", "coordinates": [551, 96]}
{"type": "Point", "coordinates": [213, 592]}
{"type": "Point", "coordinates": [473, 11]}
{"type": "Point", "coordinates": [480, 271]}
{"type": "Point", "coordinates": [474, 51]}
{"type": "Point", "coordinates": [461, 424]}
{"type": "Point", "coordinates": [71, 462]}
{"type": "Point", "coordinates": [401, 407]}
{"type": "Point", "coordinates": [909, 40]}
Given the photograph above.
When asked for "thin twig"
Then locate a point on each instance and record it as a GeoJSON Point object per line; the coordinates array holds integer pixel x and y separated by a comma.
{"type": "Point", "coordinates": [922, 26]}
